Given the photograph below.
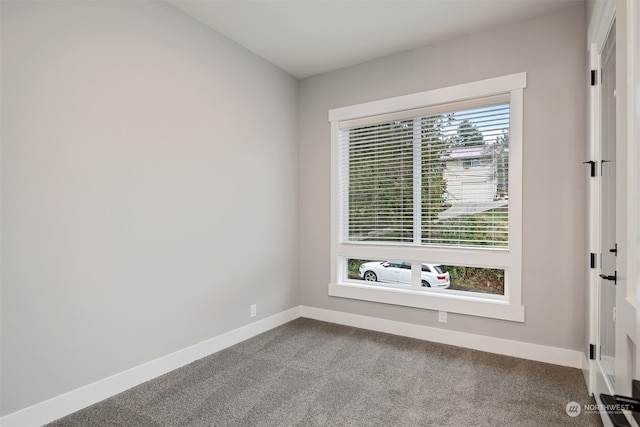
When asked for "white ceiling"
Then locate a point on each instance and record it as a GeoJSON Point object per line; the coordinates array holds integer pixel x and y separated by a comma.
{"type": "Point", "coordinates": [308, 37]}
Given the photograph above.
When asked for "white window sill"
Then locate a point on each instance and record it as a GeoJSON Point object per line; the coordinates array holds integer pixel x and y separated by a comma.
{"type": "Point", "coordinates": [495, 307]}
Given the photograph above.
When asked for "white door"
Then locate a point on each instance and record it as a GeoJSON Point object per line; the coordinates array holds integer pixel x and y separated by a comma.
{"type": "Point", "coordinates": [613, 313]}
{"type": "Point", "coordinates": [404, 275]}
{"type": "Point", "coordinates": [607, 283]}
{"type": "Point", "coordinates": [390, 272]}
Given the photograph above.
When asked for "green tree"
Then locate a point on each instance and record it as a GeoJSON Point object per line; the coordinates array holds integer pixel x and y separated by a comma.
{"type": "Point", "coordinates": [468, 135]}
{"type": "Point", "coordinates": [381, 177]}
{"type": "Point", "coordinates": [435, 144]}
{"type": "Point", "coordinates": [381, 181]}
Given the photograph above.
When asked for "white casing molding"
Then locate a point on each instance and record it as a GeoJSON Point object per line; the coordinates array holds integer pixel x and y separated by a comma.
{"type": "Point", "coordinates": [603, 16]}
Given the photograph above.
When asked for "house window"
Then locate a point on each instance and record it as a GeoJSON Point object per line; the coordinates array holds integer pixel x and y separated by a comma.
{"type": "Point", "coordinates": [473, 163]}
{"type": "Point", "coordinates": [428, 185]}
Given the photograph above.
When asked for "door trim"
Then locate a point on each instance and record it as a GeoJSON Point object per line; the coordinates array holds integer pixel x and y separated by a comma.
{"type": "Point", "coordinates": [603, 16]}
{"type": "Point", "coordinates": [601, 23]}
{"type": "Point", "coordinates": [628, 109]}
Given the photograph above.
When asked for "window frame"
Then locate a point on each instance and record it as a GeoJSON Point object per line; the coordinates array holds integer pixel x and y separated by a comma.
{"type": "Point", "coordinates": [506, 307]}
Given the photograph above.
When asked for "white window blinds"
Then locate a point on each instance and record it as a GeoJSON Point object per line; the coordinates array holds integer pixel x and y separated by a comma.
{"type": "Point", "coordinates": [431, 176]}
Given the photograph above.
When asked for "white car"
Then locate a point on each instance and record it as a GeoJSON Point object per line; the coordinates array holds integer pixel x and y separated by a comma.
{"type": "Point", "coordinates": [433, 276]}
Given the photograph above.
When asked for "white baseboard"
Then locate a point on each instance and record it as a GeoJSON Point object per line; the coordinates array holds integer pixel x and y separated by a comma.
{"type": "Point", "coordinates": [523, 350]}
{"type": "Point", "coordinates": [80, 398]}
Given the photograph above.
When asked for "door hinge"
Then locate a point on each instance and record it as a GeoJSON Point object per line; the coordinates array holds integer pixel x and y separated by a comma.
{"type": "Point", "coordinates": [592, 352]}
{"type": "Point", "coordinates": [594, 77]}
{"type": "Point", "coordinates": [592, 260]}
{"type": "Point", "coordinates": [593, 167]}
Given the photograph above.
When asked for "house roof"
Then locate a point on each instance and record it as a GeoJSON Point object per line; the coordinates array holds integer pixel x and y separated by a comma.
{"type": "Point", "coordinates": [468, 152]}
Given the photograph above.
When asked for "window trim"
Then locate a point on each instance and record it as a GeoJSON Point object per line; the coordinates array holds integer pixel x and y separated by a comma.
{"type": "Point", "coordinates": [506, 307]}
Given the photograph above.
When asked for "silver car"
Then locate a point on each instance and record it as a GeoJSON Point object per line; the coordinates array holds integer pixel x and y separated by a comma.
{"type": "Point", "coordinates": [433, 276]}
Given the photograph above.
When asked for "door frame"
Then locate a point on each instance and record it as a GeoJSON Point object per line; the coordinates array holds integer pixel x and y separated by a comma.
{"type": "Point", "coordinates": [601, 23]}
{"type": "Point", "coordinates": [633, 156]}
{"type": "Point", "coordinates": [627, 18]}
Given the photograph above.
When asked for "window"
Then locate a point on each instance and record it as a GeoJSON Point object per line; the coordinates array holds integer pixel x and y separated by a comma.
{"type": "Point", "coordinates": [429, 185]}
{"type": "Point", "coordinates": [473, 163]}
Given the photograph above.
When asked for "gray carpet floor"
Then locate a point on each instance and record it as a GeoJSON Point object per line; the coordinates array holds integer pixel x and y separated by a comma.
{"type": "Point", "coordinates": [312, 373]}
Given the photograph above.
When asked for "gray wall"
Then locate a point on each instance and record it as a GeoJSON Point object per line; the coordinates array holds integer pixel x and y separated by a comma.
{"type": "Point", "coordinates": [148, 190]}
{"type": "Point", "coordinates": [157, 179]}
{"type": "Point", "coordinates": [552, 50]}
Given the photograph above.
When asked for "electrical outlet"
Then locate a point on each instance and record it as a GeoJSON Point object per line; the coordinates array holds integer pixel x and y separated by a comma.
{"type": "Point", "coordinates": [442, 316]}
{"type": "Point", "coordinates": [253, 310]}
